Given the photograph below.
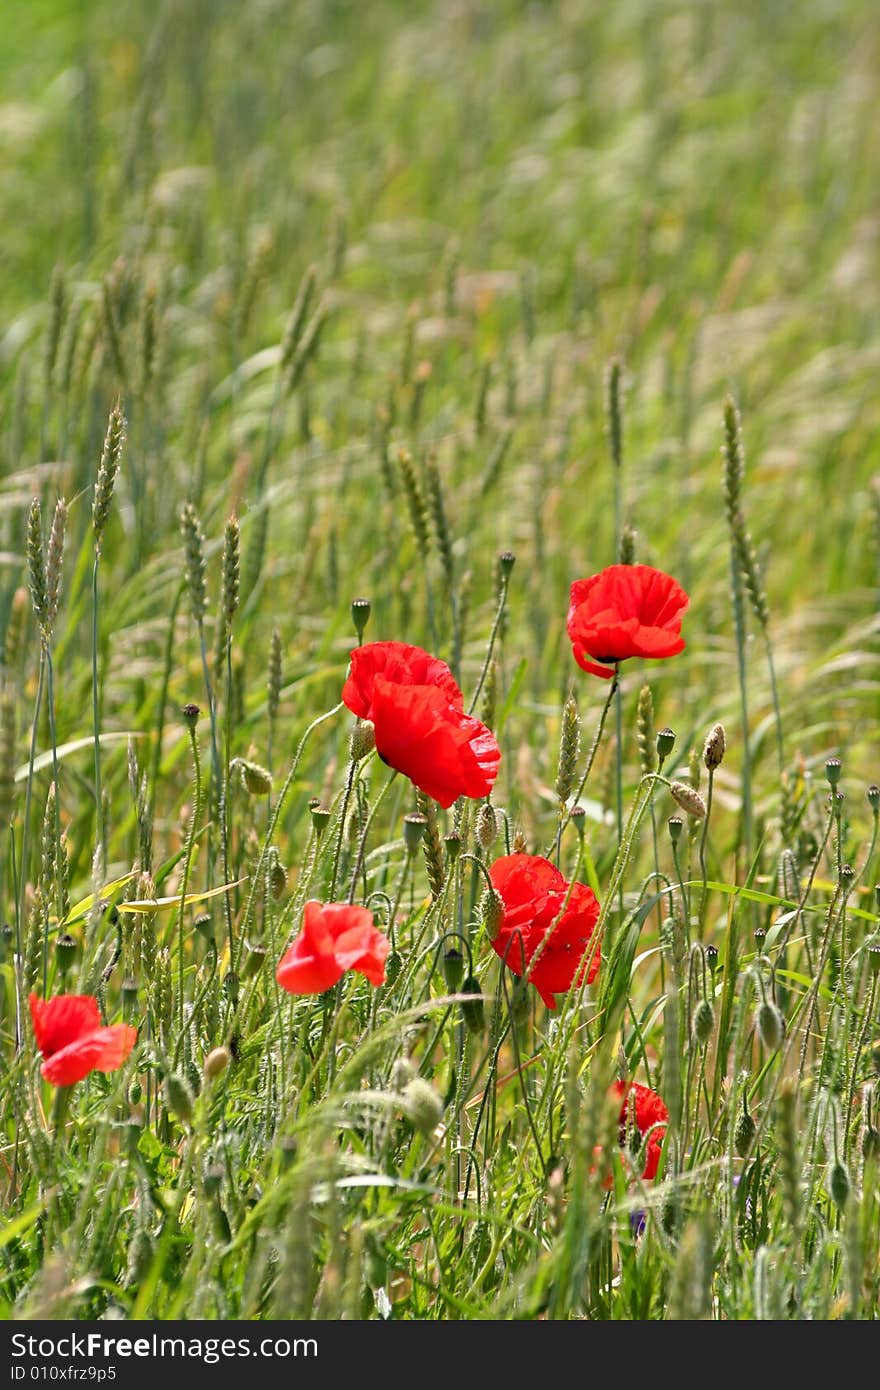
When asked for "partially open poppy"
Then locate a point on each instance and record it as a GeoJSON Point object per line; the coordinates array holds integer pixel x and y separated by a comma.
{"type": "Point", "coordinates": [533, 892]}
{"type": "Point", "coordinates": [624, 611]}
{"type": "Point", "coordinates": [417, 712]}
{"type": "Point", "coordinates": [335, 937]}
{"type": "Point", "coordinates": [641, 1105]}
{"type": "Point", "coordinates": [72, 1039]}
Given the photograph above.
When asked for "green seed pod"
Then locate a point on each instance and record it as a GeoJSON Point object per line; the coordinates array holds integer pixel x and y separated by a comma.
{"type": "Point", "coordinates": [452, 841]}
{"type": "Point", "coordinates": [256, 959]}
{"type": "Point", "coordinates": [453, 968]}
{"type": "Point", "coordinates": [675, 824]}
{"type": "Point", "coordinates": [414, 827]}
{"type": "Point", "coordinates": [665, 743]}
{"type": "Point", "coordinates": [179, 1097]}
{"type": "Point", "coordinates": [231, 986]}
{"type": "Point", "coordinates": [66, 949]}
{"type": "Point", "coordinates": [874, 958]}
{"type": "Point", "coordinates": [578, 817]}
{"type": "Point", "coordinates": [190, 715]}
{"type": "Point", "coordinates": [874, 797]}
{"type": "Point", "coordinates": [204, 925]}
{"type": "Point", "coordinates": [833, 769]}
{"type": "Point", "coordinates": [277, 879]}
{"type": "Point", "coordinates": [472, 1010]}
{"type": "Point", "coordinates": [422, 1105]}
{"type": "Point", "coordinates": [506, 562]}
{"type": "Point", "coordinates": [360, 615]}
{"type": "Point", "coordinates": [704, 1022]}
{"type": "Point", "coordinates": [320, 818]}
{"type": "Point", "coordinates": [770, 1025]}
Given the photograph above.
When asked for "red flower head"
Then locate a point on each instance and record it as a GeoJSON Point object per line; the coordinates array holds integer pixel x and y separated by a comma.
{"type": "Point", "coordinates": [533, 892]}
{"type": "Point", "coordinates": [421, 729]}
{"type": "Point", "coordinates": [626, 610]}
{"type": "Point", "coordinates": [644, 1106]}
{"type": "Point", "coordinates": [72, 1040]}
{"type": "Point", "coordinates": [335, 937]}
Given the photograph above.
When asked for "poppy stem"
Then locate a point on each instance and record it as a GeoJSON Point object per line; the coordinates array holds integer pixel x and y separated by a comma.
{"type": "Point", "coordinates": [591, 756]}
{"type": "Point", "coordinates": [618, 759]}
{"type": "Point", "coordinates": [349, 786]}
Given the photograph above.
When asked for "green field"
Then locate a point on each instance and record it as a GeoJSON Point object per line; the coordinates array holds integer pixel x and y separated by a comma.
{"type": "Point", "coordinates": [384, 292]}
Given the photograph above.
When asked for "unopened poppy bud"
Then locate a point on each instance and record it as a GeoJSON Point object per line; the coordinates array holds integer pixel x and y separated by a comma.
{"type": "Point", "coordinates": [213, 1179]}
{"type": "Point", "coordinates": [179, 1097]}
{"type": "Point", "coordinates": [689, 799]}
{"type": "Point", "coordinates": [487, 827]}
{"type": "Point", "coordinates": [204, 925]}
{"type": "Point", "coordinates": [453, 968]}
{"type": "Point", "coordinates": [257, 779]}
{"type": "Point", "coordinates": [506, 562]}
{"type": "Point", "coordinates": [320, 817]}
{"type": "Point", "coordinates": [491, 912]}
{"type": "Point", "coordinates": [414, 826]}
{"type": "Point", "coordinates": [472, 1010]}
{"type": "Point", "coordinates": [230, 986]}
{"type": "Point", "coordinates": [402, 1073]}
{"type": "Point", "coordinates": [714, 747]}
{"type": "Point", "coordinates": [190, 714]}
{"type": "Point", "coordinates": [846, 876]}
{"type": "Point", "coordinates": [744, 1132]}
{"type": "Point", "coordinates": [65, 952]}
{"type": "Point", "coordinates": [422, 1104]}
{"type": "Point", "coordinates": [453, 846]}
{"type": "Point", "coordinates": [256, 959]}
{"type": "Point", "coordinates": [277, 879]}
{"type": "Point", "coordinates": [675, 824]}
{"type": "Point", "coordinates": [665, 743]}
{"type": "Point", "coordinates": [393, 967]}
{"type": "Point", "coordinates": [362, 740]}
{"type": "Point", "coordinates": [874, 796]}
{"type": "Point", "coordinates": [360, 615]}
{"type": "Point", "coordinates": [833, 768]}
{"type": "Point", "coordinates": [770, 1025]}
{"type": "Point", "coordinates": [216, 1062]}
{"type": "Point", "coordinates": [704, 1022]}
{"type": "Point", "coordinates": [838, 1185]}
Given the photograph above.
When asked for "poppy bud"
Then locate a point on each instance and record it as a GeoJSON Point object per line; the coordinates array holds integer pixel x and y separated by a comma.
{"type": "Point", "coordinates": [422, 1104]}
{"type": "Point", "coordinates": [770, 1025]}
{"type": "Point", "coordinates": [65, 952]}
{"type": "Point", "coordinates": [179, 1097]}
{"type": "Point", "coordinates": [491, 912]}
{"type": "Point", "coordinates": [256, 959]}
{"type": "Point", "coordinates": [360, 615]}
{"type": "Point", "coordinates": [453, 846]}
{"type": "Point", "coordinates": [689, 799]}
{"type": "Point", "coordinates": [714, 747]}
{"type": "Point", "coordinates": [874, 796]}
{"type": "Point", "coordinates": [213, 1179]}
{"type": "Point", "coordinates": [402, 1073]}
{"type": "Point", "coordinates": [704, 1022]}
{"type": "Point", "coordinates": [838, 1185]}
{"type": "Point", "coordinates": [453, 968]}
{"type": "Point", "coordinates": [204, 925]}
{"type": "Point", "coordinates": [362, 740]}
{"type": "Point", "coordinates": [393, 967]}
{"type": "Point", "coordinates": [665, 743]}
{"type": "Point", "coordinates": [320, 817]}
{"type": "Point", "coordinates": [472, 1010]}
{"type": "Point", "coordinates": [216, 1062]}
{"type": "Point", "coordinates": [414, 826]}
{"type": "Point", "coordinates": [744, 1133]}
{"type": "Point", "coordinates": [487, 827]}
{"type": "Point", "coordinates": [277, 879]}
{"type": "Point", "coordinates": [190, 714]}
{"type": "Point", "coordinates": [675, 824]}
{"type": "Point", "coordinates": [833, 768]}
{"type": "Point", "coordinates": [257, 779]}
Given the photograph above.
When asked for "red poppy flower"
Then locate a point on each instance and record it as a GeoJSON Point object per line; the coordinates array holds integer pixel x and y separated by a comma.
{"type": "Point", "coordinates": [626, 610]}
{"type": "Point", "coordinates": [646, 1109]}
{"type": "Point", "coordinates": [417, 712]}
{"type": "Point", "coordinates": [335, 937]}
{"type": "Point", "coordinates": [72, 1039]}
{"type": "Point", "coordinates": [533, 892]}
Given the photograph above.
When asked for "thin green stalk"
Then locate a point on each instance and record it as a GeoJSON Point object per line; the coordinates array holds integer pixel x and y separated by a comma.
{"type": "Point", "coordinates": [187, 865]}
{"type": "Point", "coordinates": [96, 711]}
{"type": "Point", "coordinates": [591, 756]}
{"type": "Point", "coordinates": [25, 833]}
{"type": "Point", "coordinates": [740, 626]}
